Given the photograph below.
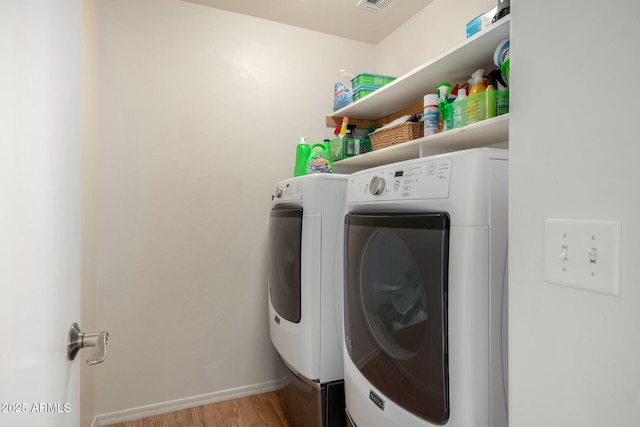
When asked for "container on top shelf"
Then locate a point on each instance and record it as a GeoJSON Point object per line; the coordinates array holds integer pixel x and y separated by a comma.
{"type": "Point", "coordinates": [342, 90]}
{"type": "Point", "coordinates": [364, 90]}
{"type": "Point", "coordinates": [455, 64]}
{"type": "Point", "coordinates": [370, 80]}
{"type": "Point", "coordinates": [365, 84]}
{"type": "Point", "coordinates": [481, 22]}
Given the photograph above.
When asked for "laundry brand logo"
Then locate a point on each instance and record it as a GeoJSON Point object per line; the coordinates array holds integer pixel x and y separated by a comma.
{"type": "Point", "coordinates": [376, 399]}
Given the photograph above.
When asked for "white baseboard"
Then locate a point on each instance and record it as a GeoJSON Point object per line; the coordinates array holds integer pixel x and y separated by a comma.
{"type": "Point", "coordinates": [189, 402]}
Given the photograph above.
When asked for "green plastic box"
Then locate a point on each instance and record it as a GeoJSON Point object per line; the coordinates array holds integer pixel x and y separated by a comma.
{"type": "Point", "coordinates": [477, 107]}
{"type": "Point", "coordinates": [370, 79]}
{"type": "Point", "coordinates": [342, 148]}
{"type": "Point", "coordinates": [361, 93]}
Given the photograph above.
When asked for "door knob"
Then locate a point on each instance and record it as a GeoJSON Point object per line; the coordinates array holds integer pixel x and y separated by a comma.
{"type": "Point", "coordinates": [79, 339]}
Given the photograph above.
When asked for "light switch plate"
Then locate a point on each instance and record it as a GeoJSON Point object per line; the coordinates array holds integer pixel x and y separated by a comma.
{"type": "Point", "coordinates": [583, 254]}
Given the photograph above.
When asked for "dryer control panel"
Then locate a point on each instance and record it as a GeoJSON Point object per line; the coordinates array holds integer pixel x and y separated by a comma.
{"type": "Point", "coordinates": [418, 179]}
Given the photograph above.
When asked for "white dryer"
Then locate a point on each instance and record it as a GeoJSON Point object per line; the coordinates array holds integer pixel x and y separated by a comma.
{"type": "Point", "coordinates": [306, 231]}
{"type": "Point", "coordinates": [425, 292]}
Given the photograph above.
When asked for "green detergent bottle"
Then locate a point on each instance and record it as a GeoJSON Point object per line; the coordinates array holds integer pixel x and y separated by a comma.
{"type": "Point", "coordinates": [314, 158]}
{"type": "Point", "coordinates": [303, 150]}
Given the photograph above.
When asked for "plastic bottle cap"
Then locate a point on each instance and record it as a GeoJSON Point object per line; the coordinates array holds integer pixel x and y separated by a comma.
{"type": "Point", "coordinates": [431, 100]}
{"type": "Point", "coordinates": [476, 77]}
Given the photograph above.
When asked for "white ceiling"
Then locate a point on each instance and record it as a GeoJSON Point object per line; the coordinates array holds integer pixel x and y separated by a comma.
{"type": "Point", "coordinates": [337, 17]}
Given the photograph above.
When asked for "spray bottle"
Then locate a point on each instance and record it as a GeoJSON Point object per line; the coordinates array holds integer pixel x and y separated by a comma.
{"type": "Point", "coordinates": [459, 111]}
{"type": "Point", "coordinates": [475, 112]}
{"type": "Point", "coordinates": [476, 84]}
{"type": "Point", "coordinates": [443, 100]}
{"type": "Point", "coordinates": [497, 95]}
{"type": "Point", "coordinates": [496, 80]}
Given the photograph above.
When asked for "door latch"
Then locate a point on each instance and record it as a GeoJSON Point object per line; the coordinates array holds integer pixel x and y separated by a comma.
{"type": "Point", "coordinates": [79, 339]}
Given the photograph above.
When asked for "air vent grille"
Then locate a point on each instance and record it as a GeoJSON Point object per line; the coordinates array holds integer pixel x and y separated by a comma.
{"type": "Point", "coordinates": [375, 5]}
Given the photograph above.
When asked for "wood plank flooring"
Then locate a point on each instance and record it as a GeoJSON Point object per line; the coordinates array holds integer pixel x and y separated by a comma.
{"type": "Point", "coordinates": [262, 410]}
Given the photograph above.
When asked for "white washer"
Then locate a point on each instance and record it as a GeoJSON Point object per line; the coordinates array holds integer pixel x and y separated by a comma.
{"type": "Point", "coordinates": [305, 295]}
{"type": "Point", "coordinates": [425, 292]}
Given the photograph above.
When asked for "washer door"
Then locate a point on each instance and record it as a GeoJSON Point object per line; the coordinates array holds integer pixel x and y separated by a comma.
{"type": "Point", "coordinates": [285, 245]}
{"type": "Point", "coordinates": [396, 269]}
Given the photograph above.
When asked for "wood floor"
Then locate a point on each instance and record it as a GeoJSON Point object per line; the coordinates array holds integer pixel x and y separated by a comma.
{"type": "Point", "coordinates": [263, 410]}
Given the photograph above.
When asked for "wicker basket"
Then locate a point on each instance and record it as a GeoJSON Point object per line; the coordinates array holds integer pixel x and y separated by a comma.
{"type": "Point", "coordinates": [396, 134]}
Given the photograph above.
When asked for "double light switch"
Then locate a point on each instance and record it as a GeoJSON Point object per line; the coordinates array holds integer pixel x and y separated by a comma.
{"type": "Point", "coordinates": [583, 254]}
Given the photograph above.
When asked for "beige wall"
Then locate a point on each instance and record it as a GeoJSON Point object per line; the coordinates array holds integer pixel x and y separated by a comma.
{"type": "Point", "coordinates": [573, 354]}
{"type": "Point", "coordinates": [200, 111]}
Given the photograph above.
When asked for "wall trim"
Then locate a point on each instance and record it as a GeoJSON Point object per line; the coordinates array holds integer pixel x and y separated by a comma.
{"type": "Point", "coordinates": [189, 402]}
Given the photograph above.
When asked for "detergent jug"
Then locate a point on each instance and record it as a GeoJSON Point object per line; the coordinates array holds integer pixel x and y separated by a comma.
{"type": "Point", "coordinates": [313, 158]}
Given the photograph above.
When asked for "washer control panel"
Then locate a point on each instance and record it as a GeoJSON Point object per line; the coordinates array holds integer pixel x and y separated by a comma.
{"type": "Point", "coordinates": [407, 180]}
{"type": "Point", "coordinates": [288, 191]}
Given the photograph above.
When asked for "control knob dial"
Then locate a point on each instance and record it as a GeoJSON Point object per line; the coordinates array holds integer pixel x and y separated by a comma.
{"type": "Point", "coordinates": [279, 191]}
{"type": "Point", "coordinates": [376, 186]}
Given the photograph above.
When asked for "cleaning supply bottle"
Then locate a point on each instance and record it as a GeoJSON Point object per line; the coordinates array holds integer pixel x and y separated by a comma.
{"type": "Point", "coordinates": [319, 160]}
{"type": "Point", "coordinates": [342, 90]}
{"type": "Point", "coordinates": [431, 114]}
{"type": "Point", "coordinates": [462, 94]}
{"type": "Point", "coordinates": [459, 108]}
{"type": "Point", "coordinates": [341, 96]}
{"type": "Point", "coordinates": [496, 80]}
{"type": "Point", "coordinates": [303, 151]}
{"type": "Point", "coordinates": [502, 56]}
{"type": "Point", "coordinates": [477, 83]}
{"type": "Point", "coordinates": [443, 100]}
{"type": "Point", "coordinates": [498, 97]}
{"type": "Point", "coordinates": [491, 94]}
{"type": "Point", "coordinates": [453, 93]}
{"type": "Point", "coordinates": [476, 104]}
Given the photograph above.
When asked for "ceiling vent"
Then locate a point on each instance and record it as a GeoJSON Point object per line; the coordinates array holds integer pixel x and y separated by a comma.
{"type": "Point", "coordinates": [375, 5]}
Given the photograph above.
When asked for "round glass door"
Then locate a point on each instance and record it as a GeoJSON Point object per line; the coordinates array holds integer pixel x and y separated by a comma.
{"type": "Point", "coordinates": [394, 302]}
{"type": "Point", "coordinates": [285, 240]}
